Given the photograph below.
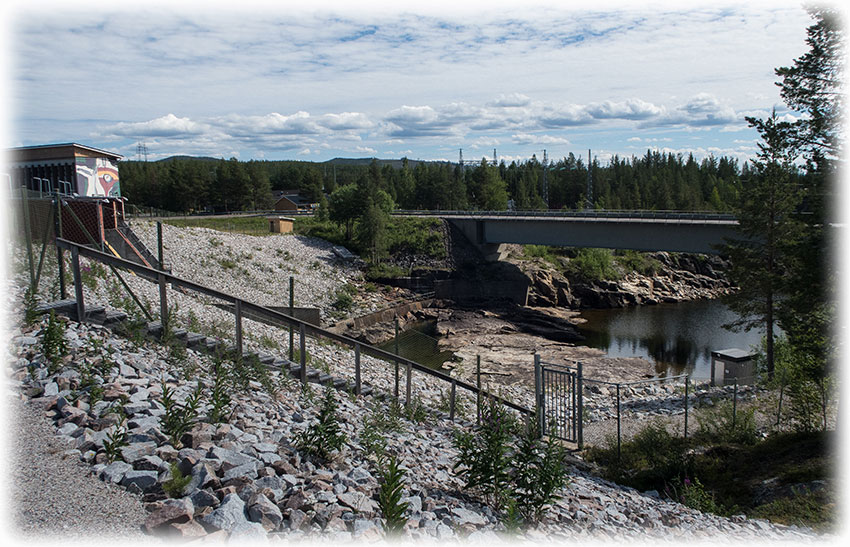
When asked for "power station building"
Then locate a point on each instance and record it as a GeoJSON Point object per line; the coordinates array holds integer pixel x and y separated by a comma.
{"type": "Point", "coordinates": [71, 169]}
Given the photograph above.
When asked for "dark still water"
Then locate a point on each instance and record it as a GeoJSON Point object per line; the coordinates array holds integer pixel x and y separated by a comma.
{"type": "Point", "coordinates": [419, 343]}
{"type": "Point", "coordinates": [678, 338]}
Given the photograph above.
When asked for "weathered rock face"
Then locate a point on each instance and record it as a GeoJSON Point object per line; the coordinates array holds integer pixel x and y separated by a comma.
{"type": "Point", "coordinates": [681, 277]}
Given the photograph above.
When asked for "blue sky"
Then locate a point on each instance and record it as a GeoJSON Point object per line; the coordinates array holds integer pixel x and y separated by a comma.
{"type": "Point", "coordinates": [263, 81]}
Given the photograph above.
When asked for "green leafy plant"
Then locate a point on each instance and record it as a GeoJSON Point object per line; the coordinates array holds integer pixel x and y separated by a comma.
{"type": "Point", "coordinates": [179, 419]}
{"type": "Point", "coordinates": [176, 485]}
{"type": "Point", "coordinates": [484, 455]}
{"type": "Point", "coordinates": [390, 495]}
{"type": "Point", "coordinates": [115, 441]}
{"type": "Point", "coordinates": [54, 345]}
{"type": "Point", "coordinates": [375, 427]}
{"type": "Point", "coordinates": [512, 519]}
{"type": "Point", "coordinates": [220, 399]}
{"type": "Point", "coordinates": [693, 494]}
{"type": "Point", "coordinates": [593, 264]}
{"type": "Point", "coordinates": [727, 424]}
{"type": "Point", "coordinates": [324, 436]}
{"type": "Point", "coordinates": [30, 304]}
{"type": "Point", "coordinates": [538, 472]}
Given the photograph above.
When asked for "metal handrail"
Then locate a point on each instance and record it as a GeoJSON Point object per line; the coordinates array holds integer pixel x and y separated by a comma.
{"type": "Point", "coordinates": [600, 214]}
{"type": "Point", "coordinates": [160, 276]}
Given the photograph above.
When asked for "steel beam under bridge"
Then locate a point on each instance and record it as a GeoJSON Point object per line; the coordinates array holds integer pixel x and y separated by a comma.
{"type": "Point", "coordinates": [659, 232]}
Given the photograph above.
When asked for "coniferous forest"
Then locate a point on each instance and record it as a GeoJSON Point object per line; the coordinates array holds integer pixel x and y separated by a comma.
{"type": "Point", "coordinates": [655, 181]}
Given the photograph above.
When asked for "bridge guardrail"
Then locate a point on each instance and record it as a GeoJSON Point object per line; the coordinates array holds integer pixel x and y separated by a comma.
{"type": "Point", "coordinates": [601, 214]}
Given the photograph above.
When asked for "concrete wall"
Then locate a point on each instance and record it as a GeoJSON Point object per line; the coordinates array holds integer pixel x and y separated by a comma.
{"type": "Point", "coordinates": [463, 290]}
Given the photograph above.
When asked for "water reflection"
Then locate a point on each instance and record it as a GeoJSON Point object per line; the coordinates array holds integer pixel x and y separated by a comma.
{"type": "Point", "coordinates": [418, 343]}
{"type": "Point", "coordinates": [678, 338]}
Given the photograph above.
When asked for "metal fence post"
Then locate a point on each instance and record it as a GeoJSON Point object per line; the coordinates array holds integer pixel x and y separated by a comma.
{"type": "Point", "coordinates": [78, 284]}
{"type": "Point", "coordinates": [409, 383]}
{"type": "Point", "coordinates": [618, 422]}
{"type": "Point", "coordinates": [238, 313]}
{"type": "Point", "coordinates": [357, 385]}
{"type": "Point", "coordinates": [538, 395]}
{"type": "Point", "coordinates": [303, 356]}
{"type": "Point", "coordinates": [735, 404]}
{"type": "Point", "coordinates": [60, 253]}
{"type": "Point", "coordinates": [291, 305]}
{"type": "Point", "coordinates": [686, 407]}
{"type": "Point", "coordinates": [396, 361]}
{"type": "Point", "coordinates": [163, 304]}
{"type": "Point", "coordinates": [478, 384]}
{"type": "Point", "coordinates": [452, 400]}
{"type": "Point", "coordinates": [28, 234]}
{"type": "Point", "coordinates": [159, 244]}
{"type": "Point", "coordinates": [580, 404]}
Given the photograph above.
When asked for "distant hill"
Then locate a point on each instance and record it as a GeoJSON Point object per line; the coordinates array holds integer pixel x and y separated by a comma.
{"type": "Point", "coordinates": [198, 158]}
{"type": "Point", "coordinates": [342, 162]}
{"type": "Point", "coordinates": [366, 161]}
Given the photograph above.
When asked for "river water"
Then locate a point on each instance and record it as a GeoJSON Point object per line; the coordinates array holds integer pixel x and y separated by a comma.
{"type": "Point", "coordinates": [677, 338]}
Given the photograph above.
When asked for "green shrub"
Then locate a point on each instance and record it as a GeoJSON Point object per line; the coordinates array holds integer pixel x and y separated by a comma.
{"type": "Point", "coordinates": [382, 270]}
{"type": "Point", "coordinates": [484, 454]}
{"type": "Point", "coordinates": [634, 261]}
{"type": "Point", "coordinates": [538, 472]}
{"type": "Point", "coordinates": [648, 461]}
{"type": "Point", "coordinates": [391, 479]}
{"type": "Point", "coordinates": [115, 441]}
{"type": "Point", "coordinates": [693, 494]}
{"type": "Point", "coordinates": [511, 466]}
{"type": "Point", "coordinates": [324, 436]}
{"type": "Point", "coordinates": [53, 345]}
{"type": "Point", "coordinates": [219, 398]}
{"type": "Point", "coordinates": [179, 419]}
{"type": "Point", "coordinates": [343, 299]}
{"type": "Point", "coordinates": [176, 485]}
{"type": "Point", "coordinates": [724, 423]}
{"type": "Point", "coordinates": [30, 304]}
{"type": "Point", "coordinates": [592, 264]}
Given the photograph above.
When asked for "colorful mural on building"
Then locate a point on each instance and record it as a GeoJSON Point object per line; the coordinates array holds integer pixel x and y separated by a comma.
{"type": "Point", "coordinates": [97, 177]}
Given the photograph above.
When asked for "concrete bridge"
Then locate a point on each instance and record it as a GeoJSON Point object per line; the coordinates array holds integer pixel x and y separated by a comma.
{"type": "Point", "coordinates": [638, 230]}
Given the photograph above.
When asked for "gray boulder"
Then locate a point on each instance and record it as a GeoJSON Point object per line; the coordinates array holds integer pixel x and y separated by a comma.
{"type": "Point", "coordinates": [228, 515]}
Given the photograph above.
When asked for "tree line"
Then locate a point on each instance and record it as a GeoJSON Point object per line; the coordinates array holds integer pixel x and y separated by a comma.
{"type": "Point", "coordinates": [656, 180]}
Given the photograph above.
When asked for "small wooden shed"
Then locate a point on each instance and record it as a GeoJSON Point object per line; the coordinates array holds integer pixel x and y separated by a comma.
{"type": "Point", "coordinates": [280, 225]}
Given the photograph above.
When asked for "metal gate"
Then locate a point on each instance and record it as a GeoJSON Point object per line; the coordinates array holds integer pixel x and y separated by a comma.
{"type": "Point", "coordinates": [558, 400]}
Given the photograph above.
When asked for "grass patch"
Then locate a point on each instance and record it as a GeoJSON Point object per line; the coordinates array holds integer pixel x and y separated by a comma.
{"type": "Point", "coordinates": [413, 236]}
{"type": "Point", "coordinates": [775, 478]}
{"type": "Point", "coordinates": [242, 225]}
{"type": "Point", "coordinates": [633, 261]}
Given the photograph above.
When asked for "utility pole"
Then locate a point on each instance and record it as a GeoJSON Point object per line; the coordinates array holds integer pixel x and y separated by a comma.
{"type": "Point", "coordinates": [545, 180]}
{"type": "Point", "coordinates": [589, 181]}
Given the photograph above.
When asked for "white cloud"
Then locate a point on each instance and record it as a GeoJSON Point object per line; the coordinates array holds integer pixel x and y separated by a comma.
{"type": "Point", "coordinates": [527, 138]}
{"type": "Point", "coordinates": [165, 126]}
{"type": "Point", "coordinates": [630, 109]}
{"type": "Point", "coordinates": [511, 100]}
{"type": "Point", "coordinates": [278, 81]}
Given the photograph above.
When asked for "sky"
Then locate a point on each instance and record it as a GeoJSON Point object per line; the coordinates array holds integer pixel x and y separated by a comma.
{"type": "Point", "coordinates": [256, 80]}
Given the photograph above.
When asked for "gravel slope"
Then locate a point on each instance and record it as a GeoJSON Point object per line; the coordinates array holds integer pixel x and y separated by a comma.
{"type": "Point", "coordinates": [49, 494]}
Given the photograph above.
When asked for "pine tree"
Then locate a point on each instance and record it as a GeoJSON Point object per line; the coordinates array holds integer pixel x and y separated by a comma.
{"type": "Point", "coordinates": [768, 227]}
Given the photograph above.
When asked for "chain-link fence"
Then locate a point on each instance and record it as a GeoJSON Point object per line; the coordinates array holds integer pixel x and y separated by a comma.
{"type": "Point", "coordinates": [615, 411]}
{"type": "Point", "coordinates": [744, 407]}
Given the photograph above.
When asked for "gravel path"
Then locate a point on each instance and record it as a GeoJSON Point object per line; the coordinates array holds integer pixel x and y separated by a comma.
{"type": "Point", "coordinates": [51, 495]}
